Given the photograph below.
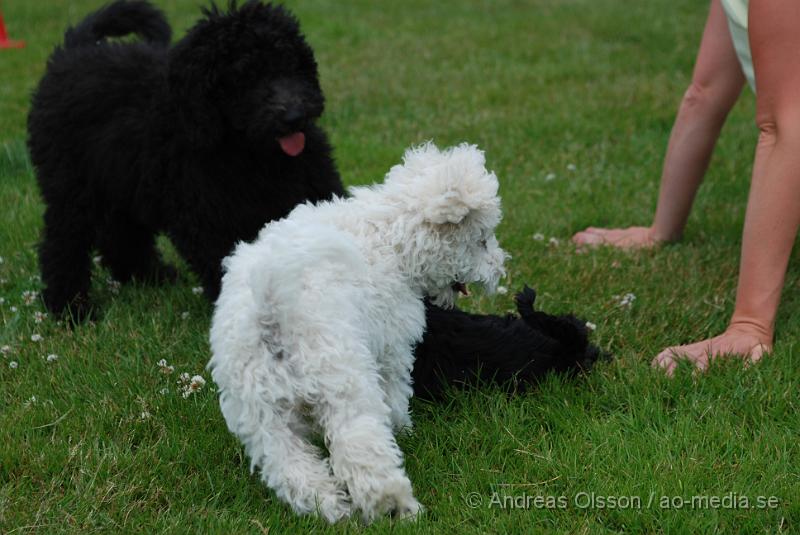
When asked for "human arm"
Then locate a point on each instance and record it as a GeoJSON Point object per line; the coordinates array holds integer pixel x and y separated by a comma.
{"type": "Point", "coordinates": [717, 81]}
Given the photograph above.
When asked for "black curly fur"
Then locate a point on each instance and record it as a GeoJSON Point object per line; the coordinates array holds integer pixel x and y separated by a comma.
{"type": "Point", "coordinates": [132, 139]}
{"type": "Point", "coordinates": [120, 19]}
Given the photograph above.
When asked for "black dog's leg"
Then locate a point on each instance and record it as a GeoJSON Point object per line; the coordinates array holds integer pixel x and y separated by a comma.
{"type": "Point", "coordinates": [567, 329]}
{"type": "Point", "coordinates": [203, 257]}
{"type": "Point", "coordinates": [129, 251]}
{"type": "Point", "coordinates": [570, 332]}
{"type": "Point", "coordinates": [65, 260]}
{"type": "Point", "coordinates": [212, 283]}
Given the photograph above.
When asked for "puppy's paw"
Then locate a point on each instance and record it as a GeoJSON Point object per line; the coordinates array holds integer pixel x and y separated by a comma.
{"type": "Point", "coordinates": [157, 272]}
{"type": "Point", "coordinates": [76, 311]}
{"type": "Point", "coordinates": [164, 274]}
{"type": "Point", "coordinates": [394, 498]}
{"type": "Point", "coordinates": [402, 424]}
{"type": "Point", "coordinates": [410, 510]}
{"type": "Point", "coordinates": [525, 301]}
{"type": "Point", "coordinates": [333, 506]}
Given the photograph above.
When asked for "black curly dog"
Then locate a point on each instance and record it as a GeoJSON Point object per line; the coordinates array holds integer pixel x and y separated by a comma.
{"type": "Point", "coordinates": [206, 141]}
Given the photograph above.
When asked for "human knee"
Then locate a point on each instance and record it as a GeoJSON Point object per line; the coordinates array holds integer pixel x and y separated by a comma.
{"type": "Point", "coordinates": [698, 99]}
{"type": "Point", "coordinates": [774, 125]}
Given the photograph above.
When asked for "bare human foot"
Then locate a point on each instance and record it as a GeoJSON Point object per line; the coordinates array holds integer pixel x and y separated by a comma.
{"type": "Point", "coordinates": [743, 341]}
{"type": "Point", "coordinates": [623, 238]}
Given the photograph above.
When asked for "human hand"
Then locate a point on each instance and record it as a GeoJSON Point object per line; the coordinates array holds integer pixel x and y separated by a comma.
{"type": "Point", "coordinates": [622, 238]}
{"type": "Point", "coordinates": [744, 341]}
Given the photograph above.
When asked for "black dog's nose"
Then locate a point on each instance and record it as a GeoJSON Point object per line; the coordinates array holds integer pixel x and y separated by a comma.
{"type": "Point", "coordinates": [293, 114]}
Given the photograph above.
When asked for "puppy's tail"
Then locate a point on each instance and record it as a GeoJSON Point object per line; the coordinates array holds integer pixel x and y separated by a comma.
{"type": "Point", "coordinates": [118, 19]}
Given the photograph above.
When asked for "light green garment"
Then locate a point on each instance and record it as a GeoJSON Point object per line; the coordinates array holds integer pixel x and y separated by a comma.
{"type": "Point", "coordinates": [736, 11]}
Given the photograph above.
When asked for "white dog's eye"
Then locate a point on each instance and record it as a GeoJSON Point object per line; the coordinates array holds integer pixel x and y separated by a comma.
{"type": "Point", "coordinates": [483, 243]}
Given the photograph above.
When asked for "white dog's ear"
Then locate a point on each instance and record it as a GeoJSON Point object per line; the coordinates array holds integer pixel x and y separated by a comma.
{"type": "Point", "coordinates": [448, 184]}
{"type": "Point", "coordinates": [446, 208]}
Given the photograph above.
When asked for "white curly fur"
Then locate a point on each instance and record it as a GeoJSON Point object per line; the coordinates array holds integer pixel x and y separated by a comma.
{"type": "Point", "coordinates": [317, 318]}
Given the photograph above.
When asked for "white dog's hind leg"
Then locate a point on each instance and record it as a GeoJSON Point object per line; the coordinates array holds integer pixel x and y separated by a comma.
{"type": "Point", "coordinates": [396, 374]}
{"type": "Point", "coordinates": [291, 466]}
{"type": "Point", "coordinates": [364, 453]}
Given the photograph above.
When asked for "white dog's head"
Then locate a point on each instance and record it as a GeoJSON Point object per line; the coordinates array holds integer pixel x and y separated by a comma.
{"type": "Point", "coordinates": [451, 210]}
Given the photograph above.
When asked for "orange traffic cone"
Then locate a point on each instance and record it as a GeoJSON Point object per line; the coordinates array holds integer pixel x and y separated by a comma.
{"type": "Point", "coordinates": [5, 42]}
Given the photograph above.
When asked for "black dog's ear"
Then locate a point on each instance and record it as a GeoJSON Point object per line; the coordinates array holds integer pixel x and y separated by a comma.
{"type": "Point", "coordinates": [193, 80]}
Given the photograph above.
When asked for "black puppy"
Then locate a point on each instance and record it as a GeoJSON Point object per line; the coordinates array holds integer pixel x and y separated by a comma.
{"type": "Point", "coordinates": [206, 142]}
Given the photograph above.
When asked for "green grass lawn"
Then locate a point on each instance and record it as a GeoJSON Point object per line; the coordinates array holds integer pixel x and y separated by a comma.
{"type": "Point", "coordinates": [573, 102]}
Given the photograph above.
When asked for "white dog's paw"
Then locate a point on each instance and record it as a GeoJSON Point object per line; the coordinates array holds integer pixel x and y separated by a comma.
{"type": "Point", "coordinates": [402, 425]}
{"type": "Point", "coordinates": [333, 507]}
{"type": "Point", "coordinates": [394, 499]}
{"type": "Point", "coordinates": [409, 510]}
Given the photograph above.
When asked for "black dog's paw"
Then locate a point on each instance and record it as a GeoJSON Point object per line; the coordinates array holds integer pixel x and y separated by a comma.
{"type": "Point", "coordinates": [161, 273]}
{"type": "Point", "coordinates": [75, 311]}
{"type": "Point", "coordinates": [525, 301]}
{"type": "Point", "coordinates": [592, 355]}
{"type": "Point", "coordinates": [80, 311]}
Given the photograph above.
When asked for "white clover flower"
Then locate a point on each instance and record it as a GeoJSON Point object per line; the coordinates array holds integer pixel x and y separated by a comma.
{"type": "Point", "coordinates": [571, 167]}
{"type": "Point", "coordinates": [502, 290]}
{"type": "Point", "coordinates": [52, 357]}
{"type": "Point", "coordinates": [196, 384]}
{"type": "Point", "coordinates": [5, 350]}
{"type": "Point", "coordinates": [554, 241]}
{"type": "Point", "coordinates": [625, 300]}
{"type": "Point", "coordinates": [165, 368]}
{"type": "Point", "coordinates": [144, 415]}
{"type": "Point", "coordinates": [97, 259]}
{"type": "Point", "coordinates": [113, 285]}
{"type": "Point", "coordinates": [550, 176]}
{"type": "Point", "coordinates": [538, 236]}
{"type": "Point", "coordinates": [39, 317]}
{"type": "Point", "coordinates": [13, 309]}
{"type": "Point", "coordinates": [36, 337]}
{"type": "Point", "coordinates": [164, 391]}
{"type": "Point", "coordinates": [591, 326]}
{"type": "Point", "coordinates": [13, 364]}
{"type": "Point", "coordinates": [2, 300]}
{"type": "Point", "coordinates": [197, 290]}
{"type": "Point", "coordinates": [184, 315]}
{"type": "Point", "coordinates": [183, 378]}
{"type": "Point", "coordinates": [29, 297]}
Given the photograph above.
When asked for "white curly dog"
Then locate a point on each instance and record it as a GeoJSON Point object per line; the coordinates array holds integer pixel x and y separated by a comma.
{"type": "Point", "coordinates": [317, 318]}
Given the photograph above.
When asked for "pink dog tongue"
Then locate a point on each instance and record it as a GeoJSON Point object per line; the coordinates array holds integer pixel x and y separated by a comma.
{"type": "Point", "coordinates": [293, 144]}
